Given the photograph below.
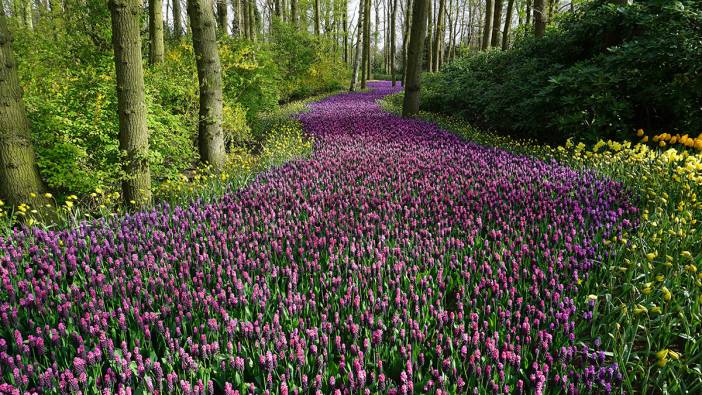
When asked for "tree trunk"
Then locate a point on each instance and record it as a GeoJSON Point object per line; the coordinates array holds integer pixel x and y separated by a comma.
{"type": "Point", "coordinates": [410, 105]}
{"type": "Point", "coordinates": [251, 7]}
{"type": "Point", "coordinates": [365, 51]}
{"type": "Point", "coordinates": [316, 17]}
{"type": "Point", "coordinates": [222, 11]}
{"type": "Point", "coordinates": [357, 53]}
{"type": "Point", "coordinates": [496, 24]}
{"type": "Point", "coordinates": [405, 40]}
{"type": "Point", "coordinates": [367, 35]}
{"type": "Point", "coordinates": [345, 22]}
{"type": "Point", "coordinates": [439, 36]}
{"type": "Point", "coordinates": [539, 18]}
{"type": "Point", "coordinates": [27, 14]}
{"type": "Point", "coordinates": [293, 12]}
{"type": "Point", "coordinates": [244, 17]}
{"type": "Point", "coordinates": [430, 47]}
{"type": "Point", "coordinates": [236, 21]}
{"type": "Point", "coordinates": [19, 176]}
{"type": "Point", "coordinates": [177, 20]}
{"type": "Point", "coordinates": [209, 74]}
{"type": "Point", "coordinates": [528, 12]}
{"type": "Point", "coordinates": [393, 15]}
{"type": "Point", "coordinates": [276, 8]}
{"type": "Point", "coordinates": [508, 22]}
{"type": "Point", "coordinates": [156, 47]}
{"type": "Point", "coordinates": [487, 32]}
{"type": "Point", "coordinates": [133, 133]}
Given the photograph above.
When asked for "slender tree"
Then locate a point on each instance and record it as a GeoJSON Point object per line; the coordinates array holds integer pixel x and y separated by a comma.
{"type": "Point", "coordinates": [496, 24]}
{"type": "Point", "coordinates": [357, 52]}
{"type": "Point", "coordinates": [316, 17]}
{"type": "Point", "coordinates": [345, 23]}
{"type": "Point", "coordinates": [367, 38]}
{"type": "Point", "coordinates": [133, 134]}
{"type": "Point", "coordinates": [439, 36]}
{"type": "Point", "coordinates": [245, 18]}
{"type": "Point", "coordinates": [293, 12]}
{"type": "Point", "coordinates": [487, 32]}
{"type": "Point", "coordinates": [177, 20]}
{"type": "Point", "coordinates": [429, 46]}
{"type": "Point", "coordinates": [222, 16]}
{"type": "Point", "coordinates": [393, 15]}
{"type": "Point", "coordinates": [508, 22]}
{"type": "Point", "coordinates": [410, 105]}
{"type": "Point", "coordinates": [156, 47]}
{"type": "Point", "coordinates": [539, 18]}
{"type": "Point", "coordinates": [209, 74]}
{"type": "Point", "coordinates": [528, 12]}
{"type": "Point", "coordinates": [405, 39]}
{"type": "Point", "coordinates": [19, 176]}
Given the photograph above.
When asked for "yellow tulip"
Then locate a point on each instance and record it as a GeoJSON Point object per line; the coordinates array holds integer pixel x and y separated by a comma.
{"type": "Point", "coordinates": [640, 132]}
{"type": "Point", "coordinates": [667, 295]}
{"type": "Point", "coordinates": [661, 143]}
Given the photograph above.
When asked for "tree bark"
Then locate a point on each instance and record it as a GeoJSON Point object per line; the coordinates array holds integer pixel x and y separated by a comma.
{"type": "Point", "coordinates": [293, 12]}
{"type": "Point", "coordinates": [222, 11]}
{"type": "Point", "coordinates": [177, 20]}
{"type": "Point", "coordinates": [359, 44]}
{"type": "Point", "coordinates": [487, 32]}
{"type": "Point", "coordinates": [345, 22]}
{"type": "Point", "coordinates": [393, 15]}
{"type": "Point", "coordinates": [539, 18]}
{"type": "Point", "coordinates": [133, 133]}
{"type": "Point", "coordinates": [316, 17]}
{"type": "Point", "coordinates": [19, 175]}
{"type": "Point", "coordinates": [508, 22]}
{"type": "Point", "coordinates": [209, 74]}
{"type": "Point", "coordinates": [367, 36]}
{"type": "Point", "coordinates": [244, 17]}
{"type": "Point", "coordinates": [410, 105]}
{"type": "Point", "coordinates": [496, 24]}
{"type": "Point", "coordinates": [439, 36]}
{"type": "Point", "coordinates": [528, 12]}
{"type": "Point", "coordinates": [156, 47]}
{"type": "Point", "coordinates": [405, 39]}
{"type": "Point", "coordinates": [428, 34]}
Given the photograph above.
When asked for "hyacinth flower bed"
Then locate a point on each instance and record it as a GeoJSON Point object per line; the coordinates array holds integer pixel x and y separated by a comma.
{"type": "Point", "coordinates": [397, 259]}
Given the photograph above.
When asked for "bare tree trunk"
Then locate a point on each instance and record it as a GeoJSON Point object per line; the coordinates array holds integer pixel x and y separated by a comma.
{"type": "Point", "coordinates": [244, 17]}
{"type": "Point", "coordinates": [410, 105]}
{"type": "Point", "coordinates": [236, 20]}
{"type": "Point", "coordinates": [293, 12]}
{"type": "Point", "coordinates": [367, 37]}
{"type": "Point", "coordinates": [357, 53]}
{"type": "Point", "coordinates": [19, 176]}
{"type": "Point", "coordinates": [177, 20]}
{"type": "Point", "coordinates": [539, 18]}
{"type": "Point", "coordinates": [133, 133]}
{"type": "Point", "coordinates": [528, 12]}
{"type": "Point", "coordinates": [156, 47]}
{"type": "Point", "coordinates": [508, 22]}
{"type": "Point", "coordinates": [487, 33]}
{"type": "Point", "coordinates": [222, 17]}
{"type": "Point", "coordinates": [497, 18]}
{"type": "Point", "coordinates": [252, 19]}
{"type": "Point", "coordinates": [405, 39]}
{"type": "Point", "coordinates": [428, 33]}
{"type": "Point", "coordinates": [209, 73]}
{"type": "Point", "coordinates": [345, 22]}
{"type": "Point", "coordinates": [439, 36]}
{"type": "Point", "coordinates": [316, 17]}
{"type": "Point", "coordinates": [393, 15]}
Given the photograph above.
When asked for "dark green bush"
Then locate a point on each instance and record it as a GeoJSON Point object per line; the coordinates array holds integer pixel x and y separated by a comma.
{"type": "Point", "coordinates": [600, 72]}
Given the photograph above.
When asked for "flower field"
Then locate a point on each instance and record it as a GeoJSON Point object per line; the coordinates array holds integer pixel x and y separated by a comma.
{"type": "Point", "coordinates": [398, 259]}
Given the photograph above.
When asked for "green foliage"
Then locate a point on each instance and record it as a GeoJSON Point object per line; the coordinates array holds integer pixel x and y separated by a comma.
{"type": "Point", "coordinates": [66, 68]}
{"type": "Point", "coordinates": [600, 72]}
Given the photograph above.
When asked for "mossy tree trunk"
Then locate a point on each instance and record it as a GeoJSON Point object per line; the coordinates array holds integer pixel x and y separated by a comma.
{"type": "Point", "coordinates": [496, 24]}
{"type": "Point", "coordinates": [405, 39]}
{"type": "Point", "coordinates": [487, 31]}
{"type": "Point", "coordinates": [209, 73]}
{"type": "Point", "coordinates": [19, 176]}
{"type": "Point", "coordinates": [222, 11]}
{"type": "Point", "coordinates": [415, 49]}
{"type": "Point", "coordinates": [177, 19]}
{"type": "Point", "coordinates": [293, 12]}
{"type": "Point", "coordinates": [133, 134]}
{"type": "Point", "coordinates": [316, 17]}
{"type": "Point", "coordinates": [539, 18]}
{"type": "Point", "coordinates": [508, 23]}
{"type": "Point", "coordinates": [156, 47]}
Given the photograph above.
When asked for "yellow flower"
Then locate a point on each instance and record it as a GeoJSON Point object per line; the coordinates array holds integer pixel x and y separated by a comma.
{"type": "Point", "coordinates": [667, 295]}
{"type": "Point", "coordinates": [644, 139]}
{"type": "Point", "coordinates": [32, 195]}
{"type": "Point", "coordinates": [661, 143]}
{"type": "Point", "coordinates": [640, 132]}
{"type": "Point", "coordinates": [638, 309]}
{"type": "Point", "coordinates": [48, 195]}
{"type": "Point", "coordinates": [686, 254]}
{"type": "Point", "coordinates": [651, 256]}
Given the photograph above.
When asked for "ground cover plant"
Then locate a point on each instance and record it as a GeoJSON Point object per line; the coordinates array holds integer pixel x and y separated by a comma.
{"type": "Point", "coordinates": [647, 293]}
{"type": "Point", "coordinates": [398, 258]}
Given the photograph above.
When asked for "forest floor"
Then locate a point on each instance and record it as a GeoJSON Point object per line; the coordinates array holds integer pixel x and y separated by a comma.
{"type": "Point", "coordinates": [398, 256]}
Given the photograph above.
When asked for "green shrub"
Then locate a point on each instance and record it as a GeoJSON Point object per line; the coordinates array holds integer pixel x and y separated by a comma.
{"type": "Point", "coordinates": [600, 72]}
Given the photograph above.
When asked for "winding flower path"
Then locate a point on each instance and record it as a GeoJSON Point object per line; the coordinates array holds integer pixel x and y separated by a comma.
{"type": "Point", "coordinates": [397, 259]}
